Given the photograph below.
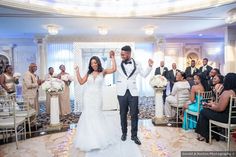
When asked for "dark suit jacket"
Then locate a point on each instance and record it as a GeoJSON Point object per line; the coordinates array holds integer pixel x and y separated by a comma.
{"type": "Point", "coordinates": [172, 78]}
{"type": "Point", "coordinates": [165, 72]}
{"type": "Point", "coordinates": [206, 77]}
{"type": "Point", "coordinates": [188, 72]}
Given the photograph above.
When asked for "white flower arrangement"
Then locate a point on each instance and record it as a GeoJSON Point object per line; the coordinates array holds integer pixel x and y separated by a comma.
{"type": "Point", "coordinates": [158, 81]}
{"type": "Point", "coordinates": [17, 75]}
{"type": "Point", "coordinates": [53, 85]}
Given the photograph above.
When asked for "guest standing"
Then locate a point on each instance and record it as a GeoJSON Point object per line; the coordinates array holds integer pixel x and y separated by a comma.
{"type": "Point", "coordinates": [31, 83]}
{"type": "Point", "coordinates": [48, 97]}
{"type": "Point", "coordinates": [8, 81]}
{"type": "Point", "coordinates": [162, 70]}
{"type": "Point", "coordinates": [64, 97]}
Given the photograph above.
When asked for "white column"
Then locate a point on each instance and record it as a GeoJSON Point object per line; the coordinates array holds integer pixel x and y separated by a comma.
{"type": "Point", "coordinates": [158, 104]}
{"type": "Point", "coordinates": [54, 110]}
{"type": "Point", "coordinates": [41, 63]}
{"type": "Point", "coordinates": [230, 50]}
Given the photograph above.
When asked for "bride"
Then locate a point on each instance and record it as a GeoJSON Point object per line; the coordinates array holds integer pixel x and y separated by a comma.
{"type": "Point", "coordinates": [92, 130]}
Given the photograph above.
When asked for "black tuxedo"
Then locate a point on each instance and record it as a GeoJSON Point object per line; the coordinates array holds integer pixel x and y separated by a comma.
{"type": "Point", "coordinates": [171, 77]}
{"type": "Point", "coordinates": [188, 72]}
{"type": "Point", "coordinates": [165, 74]}
{"type": "Point", "coordinates": [189, 75]}
{"type": "Point", "coordinates": [165, 71]}
{"type": "Point", "coordinates": [206, 77]}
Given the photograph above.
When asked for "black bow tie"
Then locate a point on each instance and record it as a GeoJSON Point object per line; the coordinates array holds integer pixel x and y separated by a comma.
{"type": "Point", "coordinates": [127, 62]}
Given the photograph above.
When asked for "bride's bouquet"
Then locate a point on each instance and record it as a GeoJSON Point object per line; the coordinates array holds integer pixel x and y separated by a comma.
{"type": "Point", "coordinates": [53, 85]}
{"type": "Point", "coordinates": [158, 81]}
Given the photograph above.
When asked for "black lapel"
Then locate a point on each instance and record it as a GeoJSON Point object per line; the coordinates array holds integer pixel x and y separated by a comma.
{"type": "Point", "coordinates": [133, 69]}
{"type": "Point", "coordinates": [123, 68]}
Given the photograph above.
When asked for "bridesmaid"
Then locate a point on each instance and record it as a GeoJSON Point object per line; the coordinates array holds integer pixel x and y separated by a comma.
{"type": "Point", "coordinates": [64, 97]}
{"type": "Point", "coordinates": [193, 105]}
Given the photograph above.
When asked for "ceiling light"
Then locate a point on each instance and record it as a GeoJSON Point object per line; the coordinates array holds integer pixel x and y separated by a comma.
{"type": "Point", "coordinates": [52, 29]}
{"type": "Point", "coordinates": [149, 30]}
{"type": "Point", "coordinates": [231, 18]}
{"type": "Point", "coordinates": [102, 30]}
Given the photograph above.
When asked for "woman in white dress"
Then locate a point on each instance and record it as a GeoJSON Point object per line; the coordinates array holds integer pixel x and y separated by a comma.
{"type": "Point", "coordinates": [92, 130]}
{"type": "Point", "coordinates": [181, 87]}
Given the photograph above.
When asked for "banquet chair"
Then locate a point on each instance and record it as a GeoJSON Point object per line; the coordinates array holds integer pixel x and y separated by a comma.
{"type": "Point", "coordinates": [27, 111]}
{"type": "Point", "coordinates": [181, 100]}
{"type": "Point", "coordinates": [9, 123]}
{"type": "Point", "coordinates": [202, 97]}
{"type": "Point", "coordinates": [228, 126]}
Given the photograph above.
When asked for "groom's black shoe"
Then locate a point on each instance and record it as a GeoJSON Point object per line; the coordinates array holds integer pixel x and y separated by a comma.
{"type": "Point", "coordinates": [123, 137]}
{"type": "Point", "coordinates": [136, 140]}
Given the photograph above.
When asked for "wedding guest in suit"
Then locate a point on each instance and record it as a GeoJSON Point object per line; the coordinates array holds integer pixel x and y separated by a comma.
{"type": "Point", "coordinates": [162, 70]}
{"type": "Point", "coordinates": [172, 75]}
{"type": "Point", "coordinates": [64, 97]}
{"type": "Point", "coordinates": [205, 70]}
{"type": "Point", "coordinates": [127, 92]}
{"type": "Point", "coordinates": [31, 83]}
{"type": "Point", "coordinates": [190, 72]}
{"type": "Point", "coordinates": [48, 97]}
{"type": "Point", "coordinates": [8, 81]}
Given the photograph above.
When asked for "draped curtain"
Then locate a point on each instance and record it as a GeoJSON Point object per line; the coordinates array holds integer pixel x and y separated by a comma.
{"type": "Point", "coordinates": [61, 53]}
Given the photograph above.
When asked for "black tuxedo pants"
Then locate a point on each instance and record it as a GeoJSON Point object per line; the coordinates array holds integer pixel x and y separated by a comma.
{"type": "Point", "coordinates": [129, 103]}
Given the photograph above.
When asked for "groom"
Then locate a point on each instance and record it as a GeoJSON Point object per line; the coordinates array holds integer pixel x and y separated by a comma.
{"type": "Point", "coordinates": [127, 91]}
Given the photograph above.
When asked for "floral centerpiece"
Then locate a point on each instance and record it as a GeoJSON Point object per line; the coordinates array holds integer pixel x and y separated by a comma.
{"type": "Point", "coordinates": [53, 85]}
{"type": "Point", "coordinates": [158, 81]}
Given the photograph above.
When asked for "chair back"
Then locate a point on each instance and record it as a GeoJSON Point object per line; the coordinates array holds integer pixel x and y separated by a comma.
{"type": "Point", "coordinates": [205, 96]}
{"type": "Point", "coordinates": [232, 110]}
{"type": "Point", "coordinates": [182, 96]}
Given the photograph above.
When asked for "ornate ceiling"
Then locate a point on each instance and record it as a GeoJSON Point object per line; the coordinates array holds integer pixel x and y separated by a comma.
{"type": "Point", "coordinates": [114, 8]}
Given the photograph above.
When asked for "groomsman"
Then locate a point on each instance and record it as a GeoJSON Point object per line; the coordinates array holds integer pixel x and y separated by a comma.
{"type": "Point", "coordinates": [127, 91]}
{"type": "Point", "coordinates": [190, 72]}
{"type": "Point", "coordinates": [171, 75]}
{"type": "Point", "coordinates": [162, 70]}
{"type": "Point", "coordinates": [205, 70]}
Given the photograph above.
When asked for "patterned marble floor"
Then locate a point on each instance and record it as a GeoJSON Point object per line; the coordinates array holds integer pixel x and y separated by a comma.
{"type": "Point", "coordinates": [156, 141]}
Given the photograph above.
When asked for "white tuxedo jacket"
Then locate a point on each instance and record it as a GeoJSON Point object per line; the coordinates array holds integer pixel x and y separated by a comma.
{"type": "Point", "coordinates": [124, 82]}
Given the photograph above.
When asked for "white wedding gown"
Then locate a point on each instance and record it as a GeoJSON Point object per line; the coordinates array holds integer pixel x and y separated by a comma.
{"type": "Point", "coordinates": [98, 133]}
{"type": "Point", "coordinates": [93, 130]}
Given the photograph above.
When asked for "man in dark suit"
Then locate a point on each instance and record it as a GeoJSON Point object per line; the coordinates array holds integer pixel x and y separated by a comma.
{"type": "Point", "coordinates": [171, 75]}
{"type": "Point", "coordinates": [205, 70]}
{"type": "Point", "coordinates": [162, 70]}
{"type": "Point", "coordinates": [190, 72]}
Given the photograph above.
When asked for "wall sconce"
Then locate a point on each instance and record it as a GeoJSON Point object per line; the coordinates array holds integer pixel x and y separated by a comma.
{"type": "Point", "coordinates": [52, 29]}
{"type": "Point", "coordinates": [102, 30]}
{"type": "Point", "coordinates": [149, 30]}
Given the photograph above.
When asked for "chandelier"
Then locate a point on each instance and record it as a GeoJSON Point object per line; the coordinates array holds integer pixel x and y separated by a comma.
{"type": "Point", "coordinates": [52, 29]}
{"type": "Point", "coordinates": [102, 30]}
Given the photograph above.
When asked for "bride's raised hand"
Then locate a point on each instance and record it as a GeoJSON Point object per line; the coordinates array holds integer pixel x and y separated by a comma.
{"type": "Point", "coordinates": [112, 54]}
{"type": "Point", "coordinates": [76, 67]}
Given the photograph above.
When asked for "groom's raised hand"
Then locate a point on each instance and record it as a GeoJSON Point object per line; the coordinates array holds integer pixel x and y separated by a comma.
{"type": "Point", "coordinates": [150, 62]}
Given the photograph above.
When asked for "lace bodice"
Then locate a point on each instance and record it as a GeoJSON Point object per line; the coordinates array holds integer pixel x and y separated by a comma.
{"type": "Point", "coordinates": [95, 82]}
